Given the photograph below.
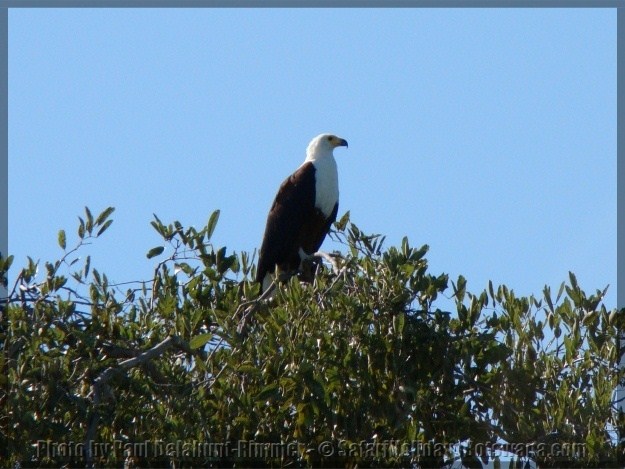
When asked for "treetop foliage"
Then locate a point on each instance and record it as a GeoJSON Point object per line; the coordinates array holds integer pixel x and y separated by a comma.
{"type": "Point", "coordinates": [358, 369]}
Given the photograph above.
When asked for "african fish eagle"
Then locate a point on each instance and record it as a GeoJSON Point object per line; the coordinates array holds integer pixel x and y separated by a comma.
{"type": "Point", "coordinates": [302, 212]}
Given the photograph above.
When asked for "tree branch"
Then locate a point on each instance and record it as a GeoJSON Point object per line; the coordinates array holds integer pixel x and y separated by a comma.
{"type": "Point", "coordinates": [331, 258]}
{"type": "Point", "coordinates": [250, 307]}
{"type": "Point", "coordinates": [100, 386]}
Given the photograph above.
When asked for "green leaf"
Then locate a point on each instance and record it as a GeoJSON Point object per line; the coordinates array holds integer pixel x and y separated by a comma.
{"type": "Point", "coordinates": [104, 227]}
{"type": "Point", "coordinates": [342, 223]}
{"type": "Point", "coordinates": [212, 223]}
{"type": "Point", "coordinates": [590, 317]}
{"type": "Point", "coordinates": [158, 225]}
{"type": "Point", "coordinates": [491, 289]}
{"type": "Point", "coordinates": [560, 291]}
{"type": "Point", "coordinates": [89, 224]}
{"type": "Point", "coordinates": [405, 246]}
{"type": "Point", "coordinates": [6, 263]}
{"type": "Point", "coordinates": [81, 228]}
{"type": "Point", "coordinates": [248, 368]}
{"type": "Point", "coordinates": [200, 340]}
{"type": "Point", "coordinates": [184, 267]}
{"type": "Point", "coordinates": [87, 265]}
{"type": "Point", "coordinates": [62, 239]}
{"type": "Point", "coordinates": [104, 215]}
{"type": "Point", "coordinates": [267, 391]}
{"type": "Point", "coordinates": [155, 251]}
{"type": "Point", "coordinates": [399, 321]}
{"type": "Point", "coordinates": [460, 288]}
{"type": "Point", "coordinates": [547, 296]}
{"type": "Point", "coordinates": [59, 282]}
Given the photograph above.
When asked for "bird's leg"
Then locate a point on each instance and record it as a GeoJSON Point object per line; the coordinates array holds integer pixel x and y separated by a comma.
{"type": "Point", "coordinates": [307, 266]}
{"type": "Point", "coordinates": [312, 260]}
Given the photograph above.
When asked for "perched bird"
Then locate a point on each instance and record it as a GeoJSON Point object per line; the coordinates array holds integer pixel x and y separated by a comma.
{"type": "Point", "coordinates": [302, 213]}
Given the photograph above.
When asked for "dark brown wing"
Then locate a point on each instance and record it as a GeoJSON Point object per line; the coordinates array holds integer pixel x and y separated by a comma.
{"type": "Point", "coordinates": [293, 205]}
{"type": "Point", "coordinates": [315, 229]}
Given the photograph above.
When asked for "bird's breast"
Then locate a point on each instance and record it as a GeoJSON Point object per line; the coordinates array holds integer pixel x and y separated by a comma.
{"type": "Point", "coordinates": [326, 185]}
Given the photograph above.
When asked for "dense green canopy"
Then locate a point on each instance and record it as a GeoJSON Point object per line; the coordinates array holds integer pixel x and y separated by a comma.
{"type": "Point", "coordinates": [359, 368]}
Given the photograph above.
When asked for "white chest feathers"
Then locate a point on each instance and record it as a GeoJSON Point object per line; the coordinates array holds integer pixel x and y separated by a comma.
{"type": "Point", "coordinates": [326, 184]}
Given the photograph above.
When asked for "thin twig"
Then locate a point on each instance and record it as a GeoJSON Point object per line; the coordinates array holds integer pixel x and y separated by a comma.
{"type": "Point", "coordinates": [251, 306]}
{"type": "Point", "coordinates": [17, 281]}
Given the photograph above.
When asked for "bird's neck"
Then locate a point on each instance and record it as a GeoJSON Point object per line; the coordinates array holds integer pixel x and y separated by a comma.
{"type": "Point", "coordinates": [315, 155]}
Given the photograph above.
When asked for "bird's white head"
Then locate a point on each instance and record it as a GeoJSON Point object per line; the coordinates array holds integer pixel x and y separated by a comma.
{"type": "Point", "coordinates": [322, 146]}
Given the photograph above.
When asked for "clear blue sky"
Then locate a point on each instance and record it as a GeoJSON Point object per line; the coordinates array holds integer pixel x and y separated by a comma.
{"type": "Point", "coordinates": [489, 134]}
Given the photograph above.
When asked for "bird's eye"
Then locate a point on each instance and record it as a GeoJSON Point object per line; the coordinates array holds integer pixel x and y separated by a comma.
{"type": "Point", "coordinates": [330, 138]}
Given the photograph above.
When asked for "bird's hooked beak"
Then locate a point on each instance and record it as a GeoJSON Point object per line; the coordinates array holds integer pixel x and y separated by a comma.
{"type": "Point", "coordinates": [342, 143]}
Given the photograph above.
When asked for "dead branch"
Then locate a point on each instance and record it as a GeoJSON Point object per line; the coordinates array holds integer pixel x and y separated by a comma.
{"type": "Point", "coordinates": [331, 258]}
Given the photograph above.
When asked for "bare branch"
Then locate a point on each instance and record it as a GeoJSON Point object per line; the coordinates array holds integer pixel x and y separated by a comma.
{"type": "Point", "coordinates": [331, 258]}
